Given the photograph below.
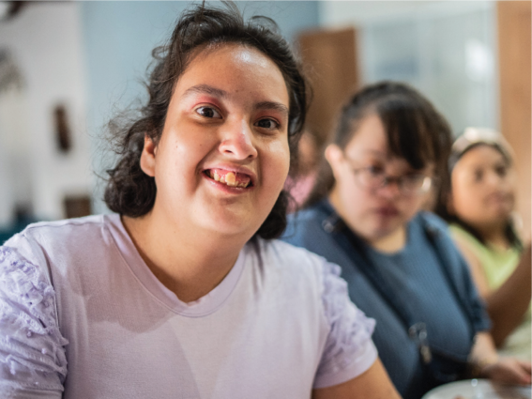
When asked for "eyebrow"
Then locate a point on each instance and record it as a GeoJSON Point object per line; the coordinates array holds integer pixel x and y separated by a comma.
{"type": "Point", "coordinates": [213, 91]}
{"type": "Point", "coordinates": [205, 89]}
{"type": "Point", "coordinates": [375, 152]}
{"type": "Point", "coordinates": [273, 106]}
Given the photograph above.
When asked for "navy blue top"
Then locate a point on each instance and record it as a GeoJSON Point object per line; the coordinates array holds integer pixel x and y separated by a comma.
{"type": "Point", "coordinates": [427, 281]}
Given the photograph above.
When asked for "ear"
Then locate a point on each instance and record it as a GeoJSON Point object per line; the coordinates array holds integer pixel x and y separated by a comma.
{"type": "Point", "coordinates": [147, 158]}
{"type": "Point", "coordinates": [334, 155]}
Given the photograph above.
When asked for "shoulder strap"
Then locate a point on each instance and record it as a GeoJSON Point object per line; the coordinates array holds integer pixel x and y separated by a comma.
{"type": "Point", "coordinates": [432, 235]}
{"type": "Point", "coordinates": [355, 248]}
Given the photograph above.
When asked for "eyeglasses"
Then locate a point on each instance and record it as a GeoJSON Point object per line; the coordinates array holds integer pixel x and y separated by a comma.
{"type": "Point", "coordinates": [410, 184]}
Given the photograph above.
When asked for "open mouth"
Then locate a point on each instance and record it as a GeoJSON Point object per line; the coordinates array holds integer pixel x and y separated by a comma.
{"type": "Point", "coordinates": [231, 179]}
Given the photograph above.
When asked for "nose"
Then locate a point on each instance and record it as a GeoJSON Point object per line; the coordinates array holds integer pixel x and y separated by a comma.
{"type": "Point", "coordinates": [237, 141]}
{"type": "Point", "coordinates": [494, 179]}
{"type": "Point", "coordinates": [390, 189]}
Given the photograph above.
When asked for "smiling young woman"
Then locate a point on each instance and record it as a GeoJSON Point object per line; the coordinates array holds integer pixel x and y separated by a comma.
{"type": "Point", "coordinates": [184, 291]}
{"type": "Point", "coordinates": [228, 117]}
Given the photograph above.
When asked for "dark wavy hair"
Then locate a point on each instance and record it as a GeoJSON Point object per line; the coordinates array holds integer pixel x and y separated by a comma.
{"type": "Point", "coordinates": [129, 190]}
{"type": "Point", "coordinates": [416, 131]}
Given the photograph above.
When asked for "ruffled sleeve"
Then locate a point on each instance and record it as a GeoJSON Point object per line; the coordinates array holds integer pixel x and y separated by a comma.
{"type": "Point", "coordinates": [349, 350]}
{"type": "Point", "coordinates": [32, 350]}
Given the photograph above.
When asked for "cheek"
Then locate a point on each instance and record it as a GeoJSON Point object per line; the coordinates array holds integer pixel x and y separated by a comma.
{"type": "Point", "coordinates": [510, 184]}
{"type": "Point", "coordinates": [276, 162]}
{"type": "Point", "coordinates": [465, 192]}
{"type": "Point", "coordinates": [178, 161]}
{"type": "Point", "coordinates": [414, 205]}
{"type": "Point", "coordinates": [466, 198]}
{"type": "Point", "coordinates": [356, 200]}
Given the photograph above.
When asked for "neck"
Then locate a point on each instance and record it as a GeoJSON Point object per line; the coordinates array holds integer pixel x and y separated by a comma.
{"type": "Point", "coordinates": [390, 243]}
{"type": "Point", "coordinates": [494, 233]}
{"type": "Point", "coordinates": [188, 261]}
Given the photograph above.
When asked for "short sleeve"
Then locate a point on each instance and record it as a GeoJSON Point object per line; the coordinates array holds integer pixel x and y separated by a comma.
{"type": "Point", "coordinates": [32, 350]}
{"type": "Point", "coordinates": [349, 350]}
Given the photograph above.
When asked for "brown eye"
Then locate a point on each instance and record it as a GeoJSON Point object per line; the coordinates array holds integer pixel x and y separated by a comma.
{"type": "Point", "coordinates": [208, 112]}
{"type": "Point", "coordinates": [267, 124]}
{"type": "Point", "coordinates": [375, 170]}
{"type": "Point", "coordinates": [501, 171]}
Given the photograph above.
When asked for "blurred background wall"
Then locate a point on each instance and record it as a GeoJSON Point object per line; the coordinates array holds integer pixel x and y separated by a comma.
{"type": "Point", "coordinates": [67, 68]}
{"type": "Point", "coordinates": [42, 70]}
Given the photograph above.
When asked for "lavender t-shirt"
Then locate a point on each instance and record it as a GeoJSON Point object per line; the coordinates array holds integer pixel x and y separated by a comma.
{"type": "Point", "coordinates": [82, 316]}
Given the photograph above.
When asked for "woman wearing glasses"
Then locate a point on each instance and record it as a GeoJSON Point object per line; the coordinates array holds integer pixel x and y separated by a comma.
{"type": "Point", "coordinates": [365, 214]}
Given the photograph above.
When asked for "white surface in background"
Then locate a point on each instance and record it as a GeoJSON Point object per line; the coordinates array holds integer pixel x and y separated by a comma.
{"type": "Point", "coordinates": [446, 49]}
{"type": "Point", "coordinates": [15, 170]}
{"type": "Point", "coordinates": [45, 40]}
{"type": "Point", "coordinates": [478, 389]}
{"type": "Point", "coordinates": [356, 12]}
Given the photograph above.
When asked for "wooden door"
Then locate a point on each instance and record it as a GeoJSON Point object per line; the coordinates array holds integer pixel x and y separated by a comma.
{"type": "Point", "coordinates": [329, 58]}
{"type": "Point", "coordinates": [515, 69]}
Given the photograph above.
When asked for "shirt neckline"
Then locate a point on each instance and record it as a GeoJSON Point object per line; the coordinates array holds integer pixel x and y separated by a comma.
{"type": "Point", "coordinates": [204, 306]}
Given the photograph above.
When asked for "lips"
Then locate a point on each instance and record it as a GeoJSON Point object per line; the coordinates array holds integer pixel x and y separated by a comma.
{"type": "Point", "coordinates": [230, 178]}
{"type": "Point", "coordinates": [387, 211]}
{"type": "Point", "coordinates": [498, 197]}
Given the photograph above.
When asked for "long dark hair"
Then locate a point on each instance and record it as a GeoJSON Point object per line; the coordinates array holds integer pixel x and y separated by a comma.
{"type": "Point", "coordinates": [129, 190]}
{"type": "Point", "coordinates": [416, 131]}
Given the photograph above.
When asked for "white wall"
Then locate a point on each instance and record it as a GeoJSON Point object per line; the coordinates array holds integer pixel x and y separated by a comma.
{"type": "Point", "coordinates": [354, 12]}
{"type": "Point", "coordinates": [446, 49]}
{"type": "Point", "coordinates": [15, 168]}
{"type": "Point", "coordinates": [45, 40]}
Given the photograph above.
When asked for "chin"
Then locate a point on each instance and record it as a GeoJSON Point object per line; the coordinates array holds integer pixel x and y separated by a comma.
{"type": "Point", "coordinates": [374, 233]}
{"type": "Point", "coordinates": [230, 225]}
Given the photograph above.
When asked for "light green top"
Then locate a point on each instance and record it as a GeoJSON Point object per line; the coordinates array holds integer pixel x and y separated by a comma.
{"type": "Point", "coordinates": [498, 265]}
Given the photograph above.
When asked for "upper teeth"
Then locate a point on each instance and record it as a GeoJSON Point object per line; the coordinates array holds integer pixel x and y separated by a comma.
{"type": "Point", "coordinates": [229, 179]}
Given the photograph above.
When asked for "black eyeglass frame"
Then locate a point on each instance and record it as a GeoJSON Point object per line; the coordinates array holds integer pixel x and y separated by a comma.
{"type": "Point", "coordinates": [420, 182]}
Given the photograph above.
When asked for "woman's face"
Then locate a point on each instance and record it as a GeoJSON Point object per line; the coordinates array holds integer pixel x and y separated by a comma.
{"type": "Point", "coordinates": [373, 213]}
{"type": "Point", "coordinates": [223, 155]}
{"type": "Point", "coordinates": [482, 187]}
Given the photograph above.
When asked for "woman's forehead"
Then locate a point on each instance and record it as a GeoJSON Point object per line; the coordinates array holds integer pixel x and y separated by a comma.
{"type": "Point", "coordinates": [234, 68]}
{"type": "Point", "coordinates": [369, 133]}
{"type": "Point", "coordinates": [482, 154]}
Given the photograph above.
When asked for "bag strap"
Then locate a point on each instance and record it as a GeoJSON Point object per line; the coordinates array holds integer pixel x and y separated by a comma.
{"type": "Point", "coordinates": [442, 255]}
{"type": "Point", "coordinates": [354, 247]}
